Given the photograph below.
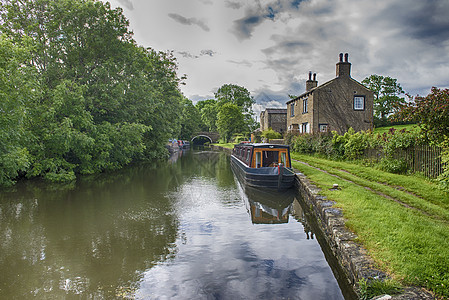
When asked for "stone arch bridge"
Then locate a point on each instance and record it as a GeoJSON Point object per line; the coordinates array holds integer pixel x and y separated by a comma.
{"type": "Point", "coordinates": [212, 136]}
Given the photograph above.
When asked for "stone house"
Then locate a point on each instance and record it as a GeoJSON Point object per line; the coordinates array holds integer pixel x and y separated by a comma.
{"type": "Point", "coordinates": [337, 105]}
{"type": "Point", "coordinates": [276, 118]}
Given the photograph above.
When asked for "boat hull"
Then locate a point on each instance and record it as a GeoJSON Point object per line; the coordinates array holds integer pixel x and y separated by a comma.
{"type": "Point", "coordinates": [265, 177]}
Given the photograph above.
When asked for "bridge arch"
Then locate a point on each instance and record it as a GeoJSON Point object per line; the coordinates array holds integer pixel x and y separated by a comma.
{"type": "Point", "coordinates": [201, 135]}
{"type": "Point", "coordinates": [211, 136]}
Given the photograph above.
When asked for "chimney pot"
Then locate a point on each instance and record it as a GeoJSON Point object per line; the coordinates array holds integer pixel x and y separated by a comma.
{"type": "Point", "coordinates": [314, 76]}
{"type": "Point", "coordinates": [346, 57]}
{"type": "Point", "coordinates": [341, 57]}
{"type": "Point", "coordinates": [310, 75]}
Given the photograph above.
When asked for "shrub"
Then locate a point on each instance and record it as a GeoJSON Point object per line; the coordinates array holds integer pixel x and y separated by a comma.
{"type": "Point", "coordinates": [443, 179]}
{"type": "Point", "coordinates": [271, 134]}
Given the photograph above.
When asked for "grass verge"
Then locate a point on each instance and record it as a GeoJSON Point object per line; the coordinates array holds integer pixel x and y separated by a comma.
{"type": "Point", "coordinates": [227, 145]}
{"type": "Point", "coordinates": [409, 242]}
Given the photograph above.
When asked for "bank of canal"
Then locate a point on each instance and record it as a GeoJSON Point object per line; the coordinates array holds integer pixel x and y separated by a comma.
{"type": "Point", "coordinates": [183, 229]}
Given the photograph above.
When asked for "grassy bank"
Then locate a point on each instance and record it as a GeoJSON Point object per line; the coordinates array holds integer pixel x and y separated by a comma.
{"type": "Point", "coordinates": [403, 221]}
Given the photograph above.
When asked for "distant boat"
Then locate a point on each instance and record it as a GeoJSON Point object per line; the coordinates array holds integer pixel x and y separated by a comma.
{"type": "Point", "coordinates": [263, 165]}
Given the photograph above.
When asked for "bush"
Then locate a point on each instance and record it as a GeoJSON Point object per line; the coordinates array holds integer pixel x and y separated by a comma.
{"type": "Point", "coordinates": [271, 134]}
{"type": "Point", "coordinates": [392, 165]}
{"type": "Point", "coordinates": [443, 179]}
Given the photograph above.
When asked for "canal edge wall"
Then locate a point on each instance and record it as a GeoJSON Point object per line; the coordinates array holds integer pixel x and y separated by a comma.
{"type": "Point", "coordinates": [350, 255]}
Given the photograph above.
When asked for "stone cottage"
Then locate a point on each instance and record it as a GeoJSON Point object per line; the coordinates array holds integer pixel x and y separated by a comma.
{"type": "Point", "coordinates": [337, 105]}
{"type": "Point", "coordinates": [276, 118]}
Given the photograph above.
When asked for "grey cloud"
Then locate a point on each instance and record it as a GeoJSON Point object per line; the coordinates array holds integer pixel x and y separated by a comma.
{"type": "Point", "coordinates": [187, 54]}
{"type": "Point", "coordinates": [207, 2]}
{"type": "Point", "coordinates": [206, 52]}
{"type": "Point", "coordinates": [422, 20]}
{"type": "Point", "coordinates": [127, 3]}
{"type": "Point", "coordinates": [242, 63]}
{"type": "Point", "coordinates": [189, 21]}
{"type": "Point", "coordinates": [233, 5]}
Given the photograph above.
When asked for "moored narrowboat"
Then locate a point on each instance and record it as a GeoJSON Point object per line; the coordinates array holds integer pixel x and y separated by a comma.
{"type": "Point", "coordinates": [263, 165]}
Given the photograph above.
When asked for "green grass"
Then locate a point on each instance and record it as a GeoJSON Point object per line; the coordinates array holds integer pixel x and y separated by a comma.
{"type": "Point", "coordinates": [410, 243]}
{"type": "Point", "coordinates": [227, 145]}
{"type": "Point", "coordinates": [409, 127]}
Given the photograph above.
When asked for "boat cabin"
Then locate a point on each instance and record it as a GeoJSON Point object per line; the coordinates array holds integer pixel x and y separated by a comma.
{"type": "Point", "coordinates": [263, 155]}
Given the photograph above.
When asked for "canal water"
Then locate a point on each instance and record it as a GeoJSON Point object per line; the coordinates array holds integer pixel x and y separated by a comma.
{"type": "Point", "coordinates": [183, 229]}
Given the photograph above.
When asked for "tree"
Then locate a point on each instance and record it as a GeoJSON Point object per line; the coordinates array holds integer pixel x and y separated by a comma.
{"type": "Point", "coordinates": [209, 111]}
{"type": "Point", "coordinates": [238, 95]}
{"type": "Point", "coordinates": [230, 121]}
{"type": "Point", "coordinates": [102, 101]}
{"type": "Point", "coordinates": [241, 97]}
{"type": "Point", "coordinates": [386, 99]}
{"type": "Point", "coordinates": [430, 112]}
{"type": "Point", "coordinates": [190, 119]}
{"type": "Point", "coordinates": [18, 86]}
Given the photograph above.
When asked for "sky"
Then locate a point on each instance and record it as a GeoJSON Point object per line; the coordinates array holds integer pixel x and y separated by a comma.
{"type": "Point", "coordinates": [269, 46]}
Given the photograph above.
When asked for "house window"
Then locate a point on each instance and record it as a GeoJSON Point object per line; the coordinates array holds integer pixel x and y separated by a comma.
{"type": "Point", "coordinates": [323, 127]}
{"type": "Point", "coordinates": [305, 127]}
{"type": "Point", "coordinates": [359, 102]}
{"type": "Point", "coordinates": [304, 106]}
{"type": "Point", "coordinates": [292, 109]}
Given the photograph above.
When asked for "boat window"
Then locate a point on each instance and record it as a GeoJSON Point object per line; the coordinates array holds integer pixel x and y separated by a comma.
{"type": "Point", "coordinates": [258, 159]}
{"type": "Point", "coordinates": [284, 159]}
{"type": "Point", "coordinates": [247, 155]}
{"type": "Point", "coordinates": [270, 158]}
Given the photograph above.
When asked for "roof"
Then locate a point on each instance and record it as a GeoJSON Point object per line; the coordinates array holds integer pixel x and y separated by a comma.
{"type": "Point", "coordinates": [276, 110]}
{"type": "Point", "coordinates": [322, 86]}
{"type": "Point", "coordinates": [263, 145]}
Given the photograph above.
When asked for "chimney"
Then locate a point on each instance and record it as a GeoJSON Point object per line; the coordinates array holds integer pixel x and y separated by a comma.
{"type": "Point", "coordinates": [343, 67]}
{"type": "Point", "coordinates": [310, 84]}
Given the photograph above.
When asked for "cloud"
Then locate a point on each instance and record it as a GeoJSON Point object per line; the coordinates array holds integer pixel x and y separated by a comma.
{"type": "Point", "coordinates": [245, 63]}
{"type": "Point", "coordinates": [126, 3]}
{"type": "Point", "coordinates": [206, 52]}
{"type": "Point", "coordinates": [189, 21]}
{"type": "Point", "coordinates": [233, 5]}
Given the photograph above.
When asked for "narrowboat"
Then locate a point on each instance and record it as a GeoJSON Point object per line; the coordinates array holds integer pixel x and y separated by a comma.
{"type": "Point", "coordinates": [263, 165]}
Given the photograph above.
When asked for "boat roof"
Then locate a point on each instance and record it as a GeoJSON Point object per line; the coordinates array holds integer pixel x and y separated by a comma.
{"type": "Point", "coordinates": [263, 145]}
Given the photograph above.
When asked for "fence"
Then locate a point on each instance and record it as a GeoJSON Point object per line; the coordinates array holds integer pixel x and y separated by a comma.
{"type": "Point", "coordinates": [422, 158]}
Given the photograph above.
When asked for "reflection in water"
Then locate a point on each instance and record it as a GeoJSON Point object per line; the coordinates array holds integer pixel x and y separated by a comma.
{"type": "Point", "coordinates": [168, 230]}
{"type": "Point", "coordinates": [267, 207]}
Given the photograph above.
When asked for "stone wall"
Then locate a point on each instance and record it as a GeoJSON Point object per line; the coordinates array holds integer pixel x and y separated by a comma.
{"type": "Point", "coordinates": [351, 256]}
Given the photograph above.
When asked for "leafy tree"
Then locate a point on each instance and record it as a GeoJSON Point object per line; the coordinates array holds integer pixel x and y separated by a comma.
{"type": "Point", "coordinates": [102, 101]}
{"type": "Point", "coordinates": [190, 119]}
{"type": "Point", "coordinates": [386, 96]}
{"type": "Point", "coordinates": [241, 97]}
{"type": "Point", "coordinates": [431, 113]}
{"type": "Point", "coordinates": [18, 86]}
{"type": "Point", "coordinates": [238, 95]}
{"type": "Point", "coordinates": [230, 121]}
{"type": "Point", "coordinates": [209, 111]}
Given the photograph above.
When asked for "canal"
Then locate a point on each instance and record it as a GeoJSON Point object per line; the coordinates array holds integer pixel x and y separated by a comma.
{"type": "Point", "coordinates": [183, 229]}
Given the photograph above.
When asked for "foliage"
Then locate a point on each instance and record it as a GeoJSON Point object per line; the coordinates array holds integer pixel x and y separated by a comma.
{"type": "Point", "coordinates": [375, 287]}
{"type": "Point", "coordinates": [386, 99]}
{"type": "Point", "coordinates": [443, 179]}
{"type": "Point", "coordinates": [431, 113]}
{"type": "Point", "coordinates": [190, 119]}
{"type": "Point", "coordinates": [352, 145]}
{"type": "Point", "coordinates": [241, 97]}
{"type": "Point", "coordinates": [230, 121]}
{"type": "Point", "coordinates": [209, 111]}
{"type": "Point", "coordinates": [18, 85]}
{"type": "Point", "coordinates": [271, 134]}
{"type": "Point", "coordinates": [82, 97]}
